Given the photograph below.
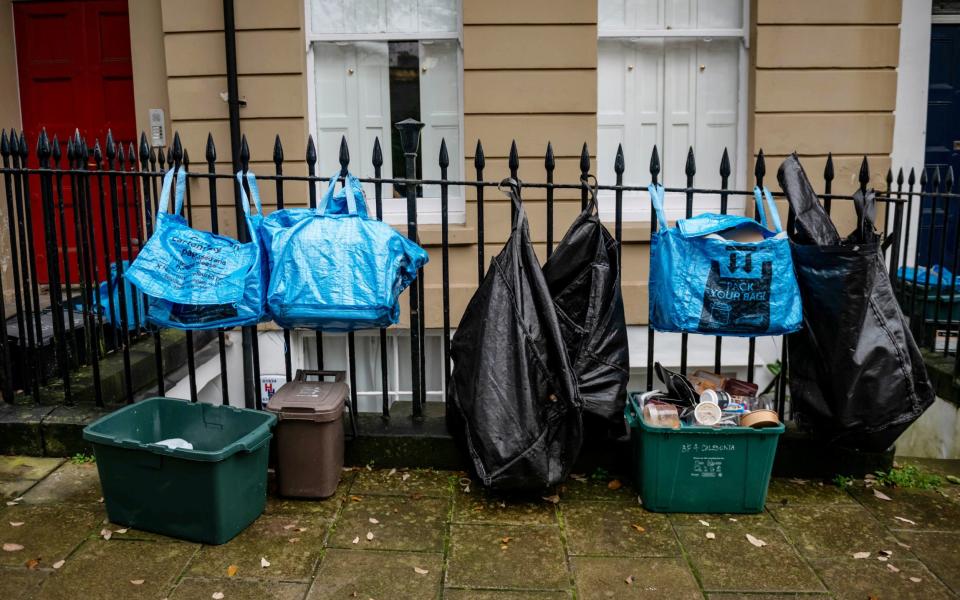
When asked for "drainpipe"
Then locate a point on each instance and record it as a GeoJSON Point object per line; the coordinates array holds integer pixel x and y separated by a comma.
{"type": "Point", "coordinates": [250, 387]}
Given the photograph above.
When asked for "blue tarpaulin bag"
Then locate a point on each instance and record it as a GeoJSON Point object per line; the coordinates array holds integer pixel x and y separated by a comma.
{"type": "Point", "coordinates": [197, 279]}
{"type": "Point", "coordinates": [334, 268]}
{"type": "Point", "coordinates": [135, 313]}
{"type": "Point", "coordinates": [723, 274]}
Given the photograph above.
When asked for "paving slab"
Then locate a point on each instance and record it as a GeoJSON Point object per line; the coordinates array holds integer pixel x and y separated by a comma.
{"type": "Point", "coordinates": [117, 569]}
{"type": "Point", "coordinates": [533, 557]}
{"type": "Point", "coordinates": [835, 530]}
{"type": "Point", "coordinates": [49, 532]}
{"type": "Point", "coordinates": [377, 574]}
{"type": "Point", "coordinates": [851, 579]}
{"type": "Point", "coordinates": [33, 468]}
{"type": "Point", "coordinates": [268, 537]}
{"type": "Point", "coordinates": [483, 506]}
{"type": "Point", "coordinates": [617, 529]}
{"type": "Point", "coordinates": [455, 594]}
{"type": "Point", "coordinates": [738, 596]}
{"type": "Point", "coordinates": [192, 588]}
{"type": "Point", "coordinates": [763, 519]}
{"type": "Point", "coordinates": [402, 523]}
{"type": "Point", "coordinates": [729, 562]}
{"type": "Point", "coordinates": [784, 492]}
{"type": "Point", "coordinates": [325, 507]}
{"type": "Point", "coordinates": [939, 551]}
{"type": "Point", "coordinates": [20, 583]}
{"type": "Point", "coordinates": [632, 579]}
{"type": "Point", "coordinates": [927, 509]}
{"type": "Point", "coordinates": [70, 483]}
{"type": "Point", "coordinates": [426, 482]}
{"type": "Point", "coordinates": [596, 489]}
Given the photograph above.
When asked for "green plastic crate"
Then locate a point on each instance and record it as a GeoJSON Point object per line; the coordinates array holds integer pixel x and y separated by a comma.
{"type": "Point", "coordinates": [208, 494]}
{"type": "Point", "coordinates": [701, 469]}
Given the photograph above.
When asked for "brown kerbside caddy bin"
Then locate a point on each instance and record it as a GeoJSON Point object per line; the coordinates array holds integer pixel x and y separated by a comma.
{"type": "Point", "coordinates": [309, 434]}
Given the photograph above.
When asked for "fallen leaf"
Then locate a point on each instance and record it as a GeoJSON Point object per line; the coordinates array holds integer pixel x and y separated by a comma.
{"type": "Point", "coordinates": [420, 571]}
{"type": "Point", "coordinates": [290, 526]}
{"type": "Point", "coordinates": [859, 555]}
{"type": "Point", "coordinates": [505, 540]}
{"type": "Point", "coordinates": [554, 499]}
{"type": "Point", "coordinates": [799, 481]}
{"type": "Point", "coordinates": [293, 540]}
{"type": "Point", "coordinates": [578, 477]}
{"type": "Point", "coordinates": [893, 568]}
{"type": "Point", "coordinates": [405, 477]}
{"type": "Point", "coordinates": [953, 479]}
{"type": "Point", "coordinates": [704, 523]}
{"type": "Point", "coordinates": [264, 563]}
{"type": "Point", "coordinates": [906, 520]}
{"type": "Point", "coordinates": [12, 503]}
{"type": "Point", "coordinates": [217, 596]}
{"type": "Point", "coordinates": [120, 531]}
{"type": "Point", "coordinates": [137, 581]}
{"type": "Point", "coordinates": [356, 540]}
{"type": "Point", "coordinates": [886, 552]}
{"type": "Point", "coordinates": [106, 534]}
{"type": "Point", "coordinates": [638, 528]}
{"type": "Point", "coordinates": [16, 523]}
{"type": "Point", "coordinates": [355, 498]}
{"type": "Point", "coordinates": [629, 580]}
{"type": "Point", "coordinates": [232, 570]}
{"type": "Point", "coordinates": [369, 535]}
{"type": "Point", "coordinates": [374, 521]}
{"type": "Point", "coordinates": [58, 564]}
{"type": "Point", "coordinates": [392, 473]}
{"type": "Point", "coordinates": [881, 495]}
{"type": "Point", "coordinates": [756, 541]}
{"type": "Point", "coordinates": [915, 579]}
{"type": "Point", "coordinates": [504, 546]}
{"type": "Point", "coordinates": [883, 558]}
{"type": "Point", "coordinates": [33, 563]}
{"type": "Point", "coordinates": [8, 547]}
{"type": "Point", "coordinates": [614, 485]}
{"type": "Point", "coordinates": [711, 535]}
{"type": "Point", "coordinates": [732, 520]}
{"type": "Point", "coordinates": [300, 529]}
{"type": "Point", "coordinates": [902, 545]}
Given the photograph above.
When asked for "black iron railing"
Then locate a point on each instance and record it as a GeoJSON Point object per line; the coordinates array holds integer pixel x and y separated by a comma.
{"type": "Point", "coordinates": [98, 205]}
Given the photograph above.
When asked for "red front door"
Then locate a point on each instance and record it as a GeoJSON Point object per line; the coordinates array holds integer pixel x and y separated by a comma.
{"type": "Point", "coordinates": [73, 60]}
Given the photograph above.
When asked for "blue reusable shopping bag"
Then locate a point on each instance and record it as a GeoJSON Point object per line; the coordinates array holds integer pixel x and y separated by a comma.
{"type": "Point", "coordinates": [334, 268]}
{"type": "Point", "coordinates": [135, 310]}
{"type": "Point", "coordinates": [706, 276]}
{"type": "Point", "coordinates": [197, 279]}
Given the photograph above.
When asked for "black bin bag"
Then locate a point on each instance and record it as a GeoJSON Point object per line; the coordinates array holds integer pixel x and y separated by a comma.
{"type": "Point", "coordinates": [855, 371]}
{"type": "Point", "coordinates": [583, 275]}
{"type": "Point", "coordinates": [515, 403]}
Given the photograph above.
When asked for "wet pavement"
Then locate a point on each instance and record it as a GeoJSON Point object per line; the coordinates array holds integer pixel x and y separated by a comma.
{"type": "Point", "coordinates": [395, 534]}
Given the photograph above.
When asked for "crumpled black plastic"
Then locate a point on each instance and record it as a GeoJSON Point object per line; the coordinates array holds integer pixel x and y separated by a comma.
{"type": "Point", "coordinates": [516, 405]}
{"type": "Point", "coordinates": [583, 276]}
{"type": "Point", "coordinates": [855, 371]}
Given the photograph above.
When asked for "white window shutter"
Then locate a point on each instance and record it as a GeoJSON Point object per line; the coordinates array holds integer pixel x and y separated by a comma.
{"type": "Point", "coordinates": [440, 111]}
{"type": "Point", "coordinates": [717, 108]}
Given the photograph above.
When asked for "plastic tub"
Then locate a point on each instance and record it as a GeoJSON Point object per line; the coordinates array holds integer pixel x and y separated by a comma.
{"type": "Point", "coordinates": [701, 469]}
{"type": "Point", "coordinates": [208, 494]}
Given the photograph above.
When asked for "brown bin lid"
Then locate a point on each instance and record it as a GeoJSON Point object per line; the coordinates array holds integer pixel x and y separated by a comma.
{"type": "Point", "coordinates": [319, 401]}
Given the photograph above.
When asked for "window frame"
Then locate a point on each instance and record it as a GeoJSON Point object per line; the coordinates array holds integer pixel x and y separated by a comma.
{"type": "Point", "coordinates": [674, 202]}
{"type": "Point", "coordinates": [395, 209]}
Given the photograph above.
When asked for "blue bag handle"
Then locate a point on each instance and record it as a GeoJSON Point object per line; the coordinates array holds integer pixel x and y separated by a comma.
{"type": "Point", "coordinates": [656, 198]}
{"type": "Point", "coordinates": [355, 206]}
{"type": "Point", "coordinates": [178, 194]}
{"type": "Point", "coordinates": [771, 205]}
{"type": "Point", "coordinates": [245, 201]}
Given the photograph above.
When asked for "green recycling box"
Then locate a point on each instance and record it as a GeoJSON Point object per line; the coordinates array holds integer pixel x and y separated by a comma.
{"type": "Point", "coordinates": [206, 494]}
{"type": "Point", "coordinates": [701, 469]}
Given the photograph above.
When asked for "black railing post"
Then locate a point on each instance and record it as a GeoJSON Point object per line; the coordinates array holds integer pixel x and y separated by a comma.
{"type": "Point", "coordinates": [759, 170]}
{"type": "Point", "coordinates": [513, 163]}
{"type": "Point", "coordinates": [377, 160]}
{"type": "Point", "coordinates": [619, 165]}
{"type": "Point", "coordinates": [12, 219]}
{"type": "Point", "coordinates": [654, 172]}
{"type": "Point", "coordinates": [344, 160]}
{"type": "Point", "coordinates": [549, 164]}
{"type": "Point", "coordinates": [89, 254]}
{"type": "Point", "coordinates": [410, 142]}
{"type": "Point", "coordinates": [828, 176]}
{"type": "Point", "coordinates": [478, 164]}
{"type": "Point", "coordinates": [147, 157]}
{"type": "Point", "coordinates": [210, 154]}
{"type": "Point", "coordinates": [948, 190]}
{"type": "Point", "coordinates": [252, 338]}
{"type": "Point", "coordinates": [724, 184]}
{"type": "Point", "coordinates": [312, 188]}
{"type": "Point", "coordinates": [278, 169]}
{"type": "Point", "coordinates": [911, 181]}
{"type": "Point", "coordinates": [584, 171]}
{"type": "Point", "coordinates": [29, 253]}
{"type": "Point", "coordinates": [444, 161]}
{"type": "Point", "coordinates": [956, 259]}
{"type": "Point", "coordinates": [118, 254]}
{"type": "Point", "coordinates": [689, 169]}
{"type": "Point", "coordinates": [74, 343]}
{"type": "Point", "coordinates": [934, 209]}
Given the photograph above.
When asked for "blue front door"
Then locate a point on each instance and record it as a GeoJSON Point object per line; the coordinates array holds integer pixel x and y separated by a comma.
{"type": "Point", "coordinates": [943, 146]}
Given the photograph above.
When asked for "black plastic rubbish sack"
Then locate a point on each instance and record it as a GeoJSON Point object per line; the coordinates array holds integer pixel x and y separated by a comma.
{"type": "Point", "coordinates": [583, 276]}
{"type": "Point", "coordinates": [855, 370]}
{"type": "Point", "coordinates": [517, 409]}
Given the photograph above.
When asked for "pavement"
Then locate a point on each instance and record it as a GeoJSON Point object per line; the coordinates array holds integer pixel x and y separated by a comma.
{"type": "Point", "coordinates": [422, 534]}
